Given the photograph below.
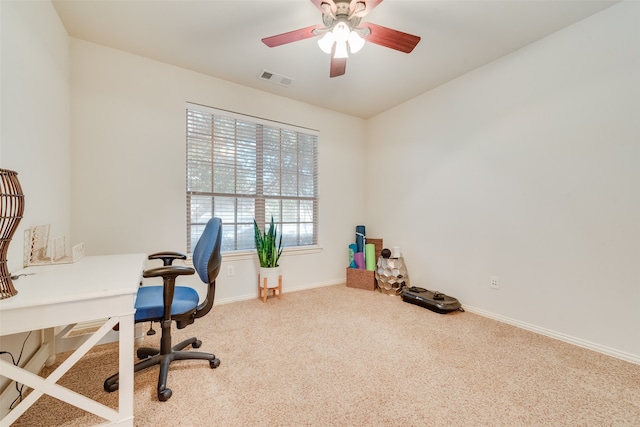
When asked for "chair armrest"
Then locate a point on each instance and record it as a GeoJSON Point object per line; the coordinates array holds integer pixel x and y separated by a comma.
{"type": "Point", "coordinates": [167, 257]}
{"type": "Point", "coordinates": [170, 271]}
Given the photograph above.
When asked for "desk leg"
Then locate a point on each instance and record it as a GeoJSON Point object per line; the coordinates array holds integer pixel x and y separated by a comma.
{"type": "Point", "coordinates": [126, 346]}
{"type": "Point", "coordinates": [49, 337]}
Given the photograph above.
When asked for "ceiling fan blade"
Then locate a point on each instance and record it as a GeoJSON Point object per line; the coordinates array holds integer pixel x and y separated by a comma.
{"type": "Point", "coordinates": [291, 36]}
{"type": "Point", "coordinates": [393, 39]}
{"type": "Point", "coordinates": [369, 6]}
{"type": "Point", "coordinates": [338, 66]}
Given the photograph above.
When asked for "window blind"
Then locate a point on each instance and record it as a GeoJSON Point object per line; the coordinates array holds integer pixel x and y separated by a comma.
{"type": "Point", "coordinates": [240, 168]}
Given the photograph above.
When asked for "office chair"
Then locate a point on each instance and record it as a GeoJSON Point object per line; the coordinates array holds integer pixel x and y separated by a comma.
{"type": "Point", "coordinates": [169, 303]}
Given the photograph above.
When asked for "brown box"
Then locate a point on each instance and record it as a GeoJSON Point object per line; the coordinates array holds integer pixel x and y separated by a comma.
{"type": "Point", "coordinates": [361, 279]}
{"type": "Point", "coordinates": [364, 279]}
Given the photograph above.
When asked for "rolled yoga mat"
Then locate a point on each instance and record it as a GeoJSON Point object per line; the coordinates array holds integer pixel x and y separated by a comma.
{"type": "Point", "coordinates": [370, 256]}
{"type": "Point", "coordinates": [360, 238]}
{"type": "Point", "coordinates": [352, 252]}
{"type": "Point", "coordinates": [359, 257]}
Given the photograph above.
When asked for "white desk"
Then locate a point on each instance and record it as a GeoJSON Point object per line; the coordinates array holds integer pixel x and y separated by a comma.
{"type": "Point", "coordinates": [94, 288]}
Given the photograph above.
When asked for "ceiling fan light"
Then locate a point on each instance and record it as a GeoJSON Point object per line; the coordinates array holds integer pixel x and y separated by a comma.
{"type": "Point", "coordinates": [356, 42]}
{"type": "Point", "coordinates": [326, 42]}
{"type": "Point", "coordinates": [341, 32]}
{"type": "Point", "coordinates": [341, 50]}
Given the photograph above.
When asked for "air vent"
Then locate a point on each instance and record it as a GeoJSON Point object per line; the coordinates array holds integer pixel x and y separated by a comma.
{"type": "Point", "coordinates": [275, 78]}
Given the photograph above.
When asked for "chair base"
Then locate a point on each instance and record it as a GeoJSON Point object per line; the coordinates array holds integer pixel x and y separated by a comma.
{"type": "Point", "coordinates": [153, 357]}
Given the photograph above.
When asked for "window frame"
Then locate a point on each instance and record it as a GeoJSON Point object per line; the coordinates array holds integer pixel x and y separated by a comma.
{"type": "Point", "coordinates": [310, 136]}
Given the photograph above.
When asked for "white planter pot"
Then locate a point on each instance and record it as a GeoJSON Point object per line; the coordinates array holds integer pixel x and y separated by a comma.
{"type": "Point", "coordinates": [272, 274]}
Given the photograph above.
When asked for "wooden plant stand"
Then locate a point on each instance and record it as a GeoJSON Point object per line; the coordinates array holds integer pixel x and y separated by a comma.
{"type": "Point", "coordinates": [263, 289]}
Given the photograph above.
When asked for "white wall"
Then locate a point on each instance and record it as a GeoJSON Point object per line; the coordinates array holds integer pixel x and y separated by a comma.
{"type": "Point", "coordinates": [526, 169]}
{"type": "Point", "coordinates": [35, 115]}
{"type": "Point", "coordinates": [35, 124]}
{"type": "Point", "coordinates": [128, 163]}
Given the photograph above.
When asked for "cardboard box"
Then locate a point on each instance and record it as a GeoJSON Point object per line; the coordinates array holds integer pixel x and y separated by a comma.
{"type": "Point", "coordinates": [364, 279]}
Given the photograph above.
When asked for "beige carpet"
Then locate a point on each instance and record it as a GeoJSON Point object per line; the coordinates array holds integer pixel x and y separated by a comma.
{"type": "Point", "coordinates": [337, 356]}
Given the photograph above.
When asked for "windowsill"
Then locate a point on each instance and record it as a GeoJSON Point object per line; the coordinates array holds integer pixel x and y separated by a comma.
{"type": "Point", "coordinates": [250, 254]}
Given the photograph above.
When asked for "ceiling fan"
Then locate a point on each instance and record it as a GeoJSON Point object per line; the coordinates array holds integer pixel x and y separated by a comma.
{"type": "Point", "coordinates": [342, 32]}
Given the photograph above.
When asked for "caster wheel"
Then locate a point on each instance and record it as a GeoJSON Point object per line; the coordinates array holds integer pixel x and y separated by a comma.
{"type": "Point", "coordinates": [110, 388]}
{"type": "Point", "coordinates": [164, 395]}
{"type": "Point", "coordinates": [144, 353]}
{"type": "Point", "coordinates": [196, 344]}
{"type": "Point", "coordinates": [214, 363]}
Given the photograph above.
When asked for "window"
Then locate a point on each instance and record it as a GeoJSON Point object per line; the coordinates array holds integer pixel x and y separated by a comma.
{"type": "Point", "coordinates": [240, 168]}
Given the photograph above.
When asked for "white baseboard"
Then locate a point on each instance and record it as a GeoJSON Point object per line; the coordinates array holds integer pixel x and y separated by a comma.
{"type": "Point", "coordinates": [557, 335]}
{"type": "Point", "coordinates": [254, 295]}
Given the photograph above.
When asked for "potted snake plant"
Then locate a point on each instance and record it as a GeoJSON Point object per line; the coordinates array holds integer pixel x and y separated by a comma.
{"type": "Point", "coordinates": [269, 249]}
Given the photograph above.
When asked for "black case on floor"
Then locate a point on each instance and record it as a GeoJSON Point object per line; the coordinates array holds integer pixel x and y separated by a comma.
{"type": "Point", "coordinates": [433, 300]}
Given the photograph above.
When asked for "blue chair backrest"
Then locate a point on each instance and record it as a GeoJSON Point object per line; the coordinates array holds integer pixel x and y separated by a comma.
{"type": "Point", "coordinates": [206, 265]}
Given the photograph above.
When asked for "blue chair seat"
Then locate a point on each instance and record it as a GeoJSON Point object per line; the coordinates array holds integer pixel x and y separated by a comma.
{"type": "Point", "coordinates": [149, 304]}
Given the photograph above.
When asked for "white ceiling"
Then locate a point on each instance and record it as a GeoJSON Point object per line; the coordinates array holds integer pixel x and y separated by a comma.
{"type": "Point", "coordinates": [222, 39]}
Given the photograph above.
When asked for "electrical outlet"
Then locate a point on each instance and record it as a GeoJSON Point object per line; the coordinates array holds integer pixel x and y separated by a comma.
{"type": "Point", "coordinates": [230, 271]}
{"type": "Point", "coordinates": [494, 283]}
